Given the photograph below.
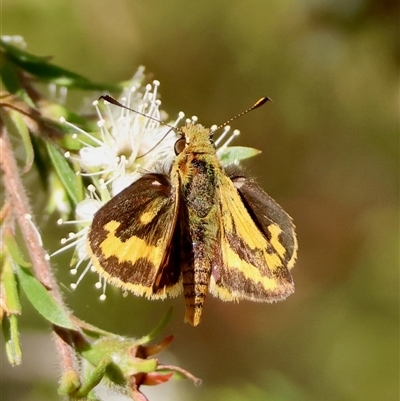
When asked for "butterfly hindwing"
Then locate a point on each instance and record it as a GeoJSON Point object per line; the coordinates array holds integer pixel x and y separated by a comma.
{"type": "Point", "coordinates": [253, 262]}
{"type": "Point", "coordinates": [133, 241]}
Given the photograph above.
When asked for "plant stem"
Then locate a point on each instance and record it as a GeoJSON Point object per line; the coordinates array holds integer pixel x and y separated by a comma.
{"type": "Point", "coordinates": [21, 210]}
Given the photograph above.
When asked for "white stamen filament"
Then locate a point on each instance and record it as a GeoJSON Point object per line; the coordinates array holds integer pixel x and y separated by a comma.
{"type": "Point", "coordinates": [235, 133]}
{"type": "Point", "coordinates": [81, 131]}
{"type": "Point", "coordinates": [83, 274]}
{"type": "Point", "coordinates": [222, 136]}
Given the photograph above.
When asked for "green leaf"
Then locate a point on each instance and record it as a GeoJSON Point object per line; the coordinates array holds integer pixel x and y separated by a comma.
{"type": "Point", "coordinates": [11, 339]}
{"type": "Point", "coordinates": [67, 176]}
{"type": "Point", "coordinates": [10, 286]}
{"type": "Point", "coordinates": [42, 301]}
{"type": "Point", "coordinates": [16, 126]}
{"type": "Point", "coordinates": [92, 331]}
{"type": "Point", "coordinates": [9, 76]}
{"type": "Point", "coordinates": [42, 68]}
{"type": "Point", "coordinates": [13, 248]}
{"type": "Point", "coordinates": [26, 139]}
{"type": "Point", "coordinates": [232, 154]}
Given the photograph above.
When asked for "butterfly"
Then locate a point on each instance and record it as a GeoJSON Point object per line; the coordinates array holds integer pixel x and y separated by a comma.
{"type": "Point", "coordinates": [198, 228]}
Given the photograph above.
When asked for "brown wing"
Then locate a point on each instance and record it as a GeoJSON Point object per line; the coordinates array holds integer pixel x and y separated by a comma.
{"type": "Point", "coordinates": [266, 213]}
{"type": "Point", "coordinates": [254, 262]}
{"type": "Point", "coordinates": [132, 241]}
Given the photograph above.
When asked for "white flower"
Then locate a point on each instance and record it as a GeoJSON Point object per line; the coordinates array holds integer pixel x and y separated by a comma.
{"type": "Point", "coordinates": [127, 144]}
{"type": "Point", "coordinates": [128, 141]}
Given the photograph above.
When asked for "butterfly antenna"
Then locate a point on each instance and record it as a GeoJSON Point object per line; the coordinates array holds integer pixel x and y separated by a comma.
{"type": "Point", "coordinates": [256, 105]}
{"type": "Point", "coordinates": [111, 100]}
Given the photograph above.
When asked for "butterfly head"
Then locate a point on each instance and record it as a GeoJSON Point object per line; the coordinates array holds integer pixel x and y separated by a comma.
{"type": "Point", "coordinates": [194, 138]}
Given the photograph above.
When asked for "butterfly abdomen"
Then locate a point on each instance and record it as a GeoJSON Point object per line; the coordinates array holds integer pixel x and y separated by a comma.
{"type": "Point", "coordinates": [199, 219]}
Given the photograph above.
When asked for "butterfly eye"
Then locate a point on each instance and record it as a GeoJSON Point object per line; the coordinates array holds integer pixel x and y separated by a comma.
{"type": "Point", "coordinates": [179, 145]}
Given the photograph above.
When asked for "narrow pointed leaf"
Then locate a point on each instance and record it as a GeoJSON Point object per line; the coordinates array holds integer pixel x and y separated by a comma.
{"type": "Point", "coordinates": [8, 279]}
{"type": "Point", "coordinates": [9, 76]}
{"type": "Point", "coordinates": [13, 248]}
{"type": "Point", "coordinates": [11, 339]}
{"type": "Point", "coordinates": [232, 154]}
{"type": "Point", "coordinates": [42, 68]}
{"type": "Point", "coordinates": [26, 139]}
{"type": "Point", "coordinates": [65, 172]}
{"type": "Point", "coordinates": [16, 126]}
{"type": "Point", "coordinates": [42, 301]}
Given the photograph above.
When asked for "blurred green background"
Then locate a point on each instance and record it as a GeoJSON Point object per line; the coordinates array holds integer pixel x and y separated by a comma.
{"type": "Point", "coordinates": [330, 158]}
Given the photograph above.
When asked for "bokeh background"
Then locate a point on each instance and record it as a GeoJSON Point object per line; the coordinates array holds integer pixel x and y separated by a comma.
{"type": "Point", "coordinates": [330, 158]}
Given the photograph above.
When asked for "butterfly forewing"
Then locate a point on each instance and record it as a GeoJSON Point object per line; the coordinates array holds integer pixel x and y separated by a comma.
{"type": "Point", "coordinates": [132, 238]}
{"type": "Point", "coordinates": [269, 217]}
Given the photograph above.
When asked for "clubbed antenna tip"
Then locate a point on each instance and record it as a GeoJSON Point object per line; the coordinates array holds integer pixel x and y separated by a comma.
{"type": "Point", "coordinates": [260, 102]}
{"type": "Point", "coordinates": [256, 105]}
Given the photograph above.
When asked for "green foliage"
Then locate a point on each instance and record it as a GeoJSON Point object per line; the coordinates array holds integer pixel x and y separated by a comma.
{"type": "Point", "coordinates": [41, 299]}
{"type": "Point", "coordinates": [234, 153]}
{"type": "Point", "coordinates": [71, 182]}
{"type": "Point", "coordinates": [41, 68]}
